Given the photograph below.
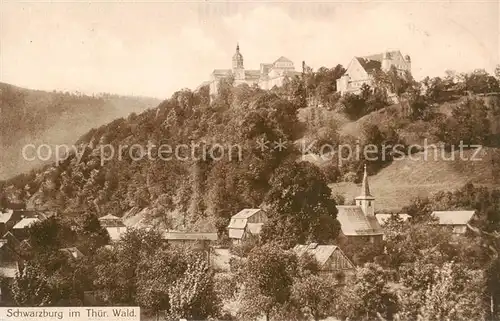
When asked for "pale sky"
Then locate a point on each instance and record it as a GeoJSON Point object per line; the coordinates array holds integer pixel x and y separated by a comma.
{"type": "Point", "coordinates": [154, 48]}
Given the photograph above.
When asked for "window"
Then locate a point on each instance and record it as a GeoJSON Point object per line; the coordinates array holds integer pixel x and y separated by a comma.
{"type": "Point", "coordinates": [369, 203]}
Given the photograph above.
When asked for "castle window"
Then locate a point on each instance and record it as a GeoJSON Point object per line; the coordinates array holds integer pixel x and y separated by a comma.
{"type": "Point", "coordinates": [369, 203]}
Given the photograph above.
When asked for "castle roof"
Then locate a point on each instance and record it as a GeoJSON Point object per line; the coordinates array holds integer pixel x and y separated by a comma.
{"type": "Point", "coordinates": [369, 65]}
{"type": "Point", "coordinates": [374, 62]}
{"type": "Point", "coordinates": [221, 72]}
{"type": "Point", "coordinates": [282, 59]}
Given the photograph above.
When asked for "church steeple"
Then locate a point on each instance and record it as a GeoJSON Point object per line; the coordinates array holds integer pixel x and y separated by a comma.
{"type": "Point", "coordinates": [365, 200]}
{"type": "Point", "coordinates": [365, 188]}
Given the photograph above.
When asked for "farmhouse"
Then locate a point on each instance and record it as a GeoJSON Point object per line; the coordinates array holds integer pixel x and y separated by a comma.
{"type": "Point", "coordinates": [456, 220]}
{"type": "Point", "coordinates": [246, 222]}
{"type": "Point", "coordinates": [330, 258]}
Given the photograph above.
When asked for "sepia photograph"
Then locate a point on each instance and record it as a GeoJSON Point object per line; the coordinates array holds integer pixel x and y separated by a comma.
{"type": "Point", "coordinates": [253, 160]}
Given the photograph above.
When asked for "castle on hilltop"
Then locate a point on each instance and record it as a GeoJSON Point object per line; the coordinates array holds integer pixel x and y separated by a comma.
{"type": "Point", "coordinates": [361, 70]}
{"type": "Point", "coordinates": [268, 76]}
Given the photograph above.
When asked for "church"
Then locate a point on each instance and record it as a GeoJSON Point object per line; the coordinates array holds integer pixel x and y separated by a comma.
{"type": "Point", "coordinates": [358, 222]}
{"type": "Point", "coordinates": [268, 76]}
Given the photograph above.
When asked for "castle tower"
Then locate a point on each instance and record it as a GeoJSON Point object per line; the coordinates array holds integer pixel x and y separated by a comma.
{"type": "Point", "coordinates": [386, 62]}
{"type": "Point", "coordinates": [366, 201]}
{"type": "Point", "coordinates": [238, 69]}
{"type": "Point", "coordinates": [408, 62]}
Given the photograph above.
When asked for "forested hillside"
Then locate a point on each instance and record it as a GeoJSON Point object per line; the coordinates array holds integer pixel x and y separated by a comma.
{"type": "Point", "coordinates": [202, 192]}
{"type": "Point", "coordinates": [39, 117]}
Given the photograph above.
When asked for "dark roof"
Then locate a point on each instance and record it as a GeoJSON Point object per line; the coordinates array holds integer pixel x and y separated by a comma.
{"type": "Point", "coordinates": [369, 65]}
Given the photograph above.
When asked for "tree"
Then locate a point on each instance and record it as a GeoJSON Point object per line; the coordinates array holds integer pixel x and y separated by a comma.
{"type": "Point", "coordinates": [267, 279]}
{"type": "Point", "coordinates": [300, 202]}
{"type": "Point", "coordinates": [368, 296]}
{"type": "Point", "coordinates": [447, 292]}
{"type": "Point", "coordinates": [192, 296]}
{"type": "Point", "coordinates": [469, 123]}
{"type": "Point", "coordinates": [316, 295]}
{"type": "Point", "coordinates": [30, 287]}
{"type": "Point", "coordinates": [116, 269]}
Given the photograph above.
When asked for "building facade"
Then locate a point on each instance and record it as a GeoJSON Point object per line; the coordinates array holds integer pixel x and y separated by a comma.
{"type": "Point", "coordinates": [268, 76]}
{"type": "Point", "coordinates": [361, 70]}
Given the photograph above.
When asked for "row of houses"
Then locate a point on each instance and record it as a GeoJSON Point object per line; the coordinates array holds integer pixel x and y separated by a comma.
{"type": "Point", "coordinates": [358, 222]}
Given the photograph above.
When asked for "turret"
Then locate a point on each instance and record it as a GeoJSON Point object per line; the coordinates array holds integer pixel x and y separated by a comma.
{"type": "Point", "coordinates": [386, 61]}
{"type": "Point", "coordinates": [366, 201]}
{"type": "Point", "coordinates": [238, 69]}
{"type": "Point", "coordinates": [408, 62]}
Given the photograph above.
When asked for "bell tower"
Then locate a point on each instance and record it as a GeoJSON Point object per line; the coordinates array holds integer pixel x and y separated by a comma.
{"type": "Point", "coordinates": [366, 201]}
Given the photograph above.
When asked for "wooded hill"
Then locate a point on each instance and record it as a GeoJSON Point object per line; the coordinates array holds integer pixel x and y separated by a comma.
{"type": "Point", "coordinates": [203, 194]}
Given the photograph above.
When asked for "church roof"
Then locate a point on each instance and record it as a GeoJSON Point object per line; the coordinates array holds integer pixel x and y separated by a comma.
{"type": "Point", "coordinates": [354, 222]}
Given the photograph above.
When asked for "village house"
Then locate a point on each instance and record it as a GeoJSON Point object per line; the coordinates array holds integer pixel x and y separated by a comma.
{"type": "Point", "coordinates": [8, 219]}
{"type": "Point", "coordinates": [114, 225]}
{"type": "Point", "coordinates": [268, 76]}
{"type": "Point", "coordinates": [28, 218]}
{"type": "Point", "coordinates": [330, 258]}
{"type": "Point", "coordinates": [358, 222]}
{"type": "Point", "coordinates": [246, 222]}
{"type": "Point", "coordinates": [456, 220]}
{"type": "Point", "coordinates": [361, 70]}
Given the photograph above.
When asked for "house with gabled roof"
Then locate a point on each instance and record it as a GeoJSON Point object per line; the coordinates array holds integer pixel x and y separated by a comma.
{"type": "Point", "coordinates": [330, 258]}
{"type": "Point", "coordinates": [114, 225]}
{"type": "Point", "coordinates": [248, 221]}
{"type": "Point", "coordinates": [361, 70]}
{"type": "Point", "coordinates": [456, 220]}
{"type": "Point", "coordinates": [358, 222]}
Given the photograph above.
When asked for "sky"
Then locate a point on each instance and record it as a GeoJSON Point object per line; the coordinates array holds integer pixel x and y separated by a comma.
{"type": "Point", "coordinates": [153, 48]}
